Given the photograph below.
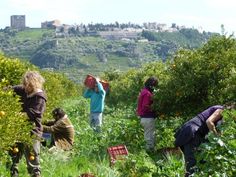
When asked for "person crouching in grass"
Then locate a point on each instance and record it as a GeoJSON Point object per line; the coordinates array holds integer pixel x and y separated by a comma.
{"type": "Point", "coordinates": [61, 129]}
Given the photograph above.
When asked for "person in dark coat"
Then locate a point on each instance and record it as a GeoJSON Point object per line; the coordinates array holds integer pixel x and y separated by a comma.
{"type": "Point", "coordinates": [61, 129]}
{"type": "Point", "coordinates": [193, 133]}
{"type": "Point", "coordinates": [33, 100]}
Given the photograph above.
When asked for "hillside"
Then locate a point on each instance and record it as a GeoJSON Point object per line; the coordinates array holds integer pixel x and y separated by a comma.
{"type": "Point", "coordinates": [80, 54]}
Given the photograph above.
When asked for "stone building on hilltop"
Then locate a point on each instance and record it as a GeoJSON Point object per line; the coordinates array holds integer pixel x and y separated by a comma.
{"type": "Point", "coordinates": [51, 24]}
{"type": "Point", "coordinates": [18, 21]}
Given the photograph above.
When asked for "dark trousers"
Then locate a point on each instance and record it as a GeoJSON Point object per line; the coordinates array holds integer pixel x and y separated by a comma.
{"type": "Point", "coordinates": [31, 155]}
{"type": "Point", "coordinates": [188, 151]}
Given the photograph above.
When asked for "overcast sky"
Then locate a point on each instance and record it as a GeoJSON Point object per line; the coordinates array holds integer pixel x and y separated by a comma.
{"type": "Point", "coordinates": [208, 14]}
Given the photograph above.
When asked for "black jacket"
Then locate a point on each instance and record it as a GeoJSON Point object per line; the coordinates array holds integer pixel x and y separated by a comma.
{"type": "Point", "coordinates": [34, 105]}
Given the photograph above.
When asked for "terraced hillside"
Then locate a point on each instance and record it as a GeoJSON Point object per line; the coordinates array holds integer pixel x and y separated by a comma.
{"type": "Point", "coordinates": [82, 54]}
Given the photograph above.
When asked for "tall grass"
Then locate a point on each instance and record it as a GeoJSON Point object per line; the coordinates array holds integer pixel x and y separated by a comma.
{"type": "Point", "coordinates": [89, 154]}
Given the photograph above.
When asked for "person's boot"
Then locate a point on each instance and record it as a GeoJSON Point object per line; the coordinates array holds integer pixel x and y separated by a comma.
{"type": "Point", "coordinates": [36, 173]}
{"type": "Point", "coordinates": [14, 173]}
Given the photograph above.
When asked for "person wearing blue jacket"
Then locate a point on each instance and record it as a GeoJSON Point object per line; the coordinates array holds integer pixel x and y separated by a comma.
{"type": "Point", "coordinates": [97, 98]}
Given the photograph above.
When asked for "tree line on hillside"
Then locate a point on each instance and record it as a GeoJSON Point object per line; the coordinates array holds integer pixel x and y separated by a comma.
{"type": "Point", "coordinates": [49, 51]}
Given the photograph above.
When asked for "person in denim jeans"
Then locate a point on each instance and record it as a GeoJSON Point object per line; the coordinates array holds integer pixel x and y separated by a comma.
{"type": "Point", "coordinates": [97, 98]}
{"type": "Point", "coordinates": [146, 113]}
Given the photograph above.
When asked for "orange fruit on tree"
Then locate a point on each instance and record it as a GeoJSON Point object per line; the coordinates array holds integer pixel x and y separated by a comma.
{"type": "Point", "coordinates": [2, 113]}
{"type": "Point", "coordinates": [177, 114]}
{"type": "Point", "coordinates": [31, 157]}
{"type": "Point", "coordinates": [15, 150]}
{"type": "Point", "coordinates": [162, 116]}
{"type": "Point", "coordinates": [177, 94]}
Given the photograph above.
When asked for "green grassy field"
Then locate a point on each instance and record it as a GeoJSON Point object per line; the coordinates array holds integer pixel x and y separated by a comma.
{"type": "Point", "coordinates": [95, 67]}
{"type": "Point", "coordinates": [32, 34]}
{"type": "Point", "coordinates": [89, 154]}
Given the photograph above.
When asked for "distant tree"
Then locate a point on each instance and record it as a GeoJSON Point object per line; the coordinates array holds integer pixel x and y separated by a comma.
{"type": "Point", "coordinates": [102, 56]}
{"type": "Point", "coordinates": [190, 33]}
{"type": "Point", "coordinates": [165, 48]}
{"type": "Point", "coordinates": [72, 31]}
{"type": "Point", "coordinates": [148, 35]}
{"type": "Point", "coordinates": [62, 30]}
{"type": "Point", "coordinates": [117, 24]}
{"type": "Point", "coordinates": [173, 25]}
{"type": "Point", "coordinates": [85, 30]}
{"type": "Point", "coordinates": [10, 31]}
{"type": "Point", "coordinates": [222, 29]}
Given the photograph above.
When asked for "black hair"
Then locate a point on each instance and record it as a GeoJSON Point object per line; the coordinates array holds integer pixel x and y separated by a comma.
{"type": "Point", "coordinates": [150, 83]}
{"type": "Point", "coordinates": [58, 112]}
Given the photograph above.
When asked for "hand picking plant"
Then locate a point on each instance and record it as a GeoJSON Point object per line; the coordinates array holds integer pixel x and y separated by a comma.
{"type": "Point", "coordinates": [220, 152]}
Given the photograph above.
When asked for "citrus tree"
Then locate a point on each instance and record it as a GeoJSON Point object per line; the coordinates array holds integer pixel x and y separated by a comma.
{"type": "Point", "coordinates": [14, 124]}
{"type": "Point", "coordinates": [125, 87]}
{"type": "Point", "coordinates": [191, 79]}
{"type": "Point", "coordinates": [199, 78]}
{"type": "Point", "coordinates": [57, 87]}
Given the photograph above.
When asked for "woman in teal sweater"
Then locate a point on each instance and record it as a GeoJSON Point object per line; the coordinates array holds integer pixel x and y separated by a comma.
{"type": "Point", "coordinates": [97, 98]}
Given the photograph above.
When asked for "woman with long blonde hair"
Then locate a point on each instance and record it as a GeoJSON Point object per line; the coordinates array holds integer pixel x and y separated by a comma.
{"type": "Point", "coordinates": [33, 100]}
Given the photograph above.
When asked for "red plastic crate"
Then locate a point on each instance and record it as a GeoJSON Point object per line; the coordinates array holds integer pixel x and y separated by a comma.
{"type": "Point", "coordinates": [90, 82]}
{"type": "Point", "coordinates": [117, 153]}
{"type": "Point", "coordinates": [105, 85]}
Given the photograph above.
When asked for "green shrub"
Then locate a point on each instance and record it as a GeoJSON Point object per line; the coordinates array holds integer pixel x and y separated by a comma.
{"type": "Point", "coordinates": [220, 152]}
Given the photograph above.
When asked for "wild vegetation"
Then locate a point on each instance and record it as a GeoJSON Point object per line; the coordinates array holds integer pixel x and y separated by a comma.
{"type": "Point", "coordinates": [93, 54]}
{"type": "Point", "coordinates": [188, 82]}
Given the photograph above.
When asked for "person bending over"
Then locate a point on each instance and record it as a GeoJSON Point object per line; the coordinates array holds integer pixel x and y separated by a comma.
{"type": "Point", "coordinates": [190, 135]}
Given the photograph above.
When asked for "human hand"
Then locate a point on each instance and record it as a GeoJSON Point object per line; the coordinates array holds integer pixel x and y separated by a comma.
{"type": "Point", "coordinates": [97, 79]}
{"type": "Point", "coordinates": [217, 131]}
{"type": "Point", "coordinates": [7, 88]}
{"type": "Point", "coordinates": [214, 131]}
{"type": "Point", "coordinates": [156, 90]}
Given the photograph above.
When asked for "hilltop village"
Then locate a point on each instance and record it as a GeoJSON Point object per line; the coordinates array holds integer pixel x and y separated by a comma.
{"type": "Point", "coordinates": [115, 30]}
